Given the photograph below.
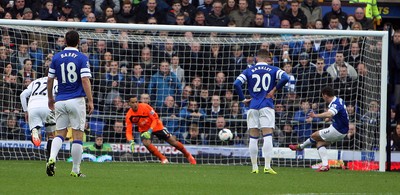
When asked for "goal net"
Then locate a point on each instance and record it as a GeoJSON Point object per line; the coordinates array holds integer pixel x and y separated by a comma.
{"type": "Point", "coordinates": [186, 73]}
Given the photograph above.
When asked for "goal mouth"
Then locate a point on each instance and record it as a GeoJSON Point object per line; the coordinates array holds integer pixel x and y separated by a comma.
{"type": "Point", "coordinates": [205, 53]}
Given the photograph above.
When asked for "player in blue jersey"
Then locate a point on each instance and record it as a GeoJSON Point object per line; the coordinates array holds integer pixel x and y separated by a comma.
{"type": "Point", "coordinates": [71, 68]}
{"type": "Point", "coordinates": [262, 85]}
{"type": "Point", "coordinates": [335, 132]}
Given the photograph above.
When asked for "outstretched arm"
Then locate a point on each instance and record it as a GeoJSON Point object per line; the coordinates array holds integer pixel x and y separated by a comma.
{"type": "Point", "coordinates": [327, 114]}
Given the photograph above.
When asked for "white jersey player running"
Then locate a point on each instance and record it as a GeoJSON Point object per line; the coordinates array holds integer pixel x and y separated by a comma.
{"type": "Point", "coordinates": [37, 112]}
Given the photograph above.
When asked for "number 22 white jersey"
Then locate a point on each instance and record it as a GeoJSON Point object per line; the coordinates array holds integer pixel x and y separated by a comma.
{"type": "Point", "coordinates": [37, 93]}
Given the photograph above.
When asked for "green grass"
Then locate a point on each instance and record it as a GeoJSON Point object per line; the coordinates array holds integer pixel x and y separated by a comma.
{"type": "Point", "coordinates": [29, 177]}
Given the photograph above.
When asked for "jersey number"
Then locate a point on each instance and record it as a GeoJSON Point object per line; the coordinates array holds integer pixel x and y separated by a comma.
{"type": "Point", "coordinates": [42, 91]}
{"type": "Point", "coordinates": [71, 74]}
{"type": "Point", "coordinates": [265, 82]}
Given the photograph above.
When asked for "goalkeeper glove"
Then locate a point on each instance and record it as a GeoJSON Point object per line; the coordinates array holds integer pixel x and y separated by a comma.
{"type": "Point", "coordinates": [147, 134]}
{"type": "Point", "coordinates": [132, 145]}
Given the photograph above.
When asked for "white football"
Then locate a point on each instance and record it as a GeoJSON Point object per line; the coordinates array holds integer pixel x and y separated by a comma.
{"type": "Point", "coordinates": [225, 135]}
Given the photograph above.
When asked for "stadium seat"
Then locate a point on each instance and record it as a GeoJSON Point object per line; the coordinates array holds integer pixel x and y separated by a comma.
{"type": "Point", "coordinates": [96, 126]}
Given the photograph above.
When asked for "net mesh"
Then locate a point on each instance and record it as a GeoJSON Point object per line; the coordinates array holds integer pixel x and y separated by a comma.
{"type": "Point", "coordinates": [197, 79]}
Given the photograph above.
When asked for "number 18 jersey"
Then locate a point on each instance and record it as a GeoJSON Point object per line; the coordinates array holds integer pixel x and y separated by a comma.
{"type": "Point", "coordinates": [261, 79]}
{"type": "Point", "coordinates": [69, 66]}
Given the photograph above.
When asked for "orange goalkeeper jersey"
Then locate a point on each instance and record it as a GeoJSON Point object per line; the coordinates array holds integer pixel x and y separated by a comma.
{"type": "Point", "coordinates": [145, 118]}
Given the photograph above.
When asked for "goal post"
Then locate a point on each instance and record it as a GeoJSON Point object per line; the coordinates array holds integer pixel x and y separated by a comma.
{"type": "Point", "coordinates": [229, 38]}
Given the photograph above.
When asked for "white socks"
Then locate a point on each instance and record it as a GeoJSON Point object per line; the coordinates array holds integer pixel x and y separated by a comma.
{"type": "Point", "coordinates": [253, 149]}
{"type": "Point", "coordinates": [323, 153]}
{"type": "Point", "coordinates": [76, 153]}
{"type": "Point", "coordinates": [55, 147]}
{"type": "Point", "coordinates": [267, 150]}
{"type": "Point", "coordinates": [306, 143]}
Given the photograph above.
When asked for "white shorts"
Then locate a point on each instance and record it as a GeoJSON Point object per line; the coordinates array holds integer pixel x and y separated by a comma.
{"type": "Point", "coordinates": [263, 118]}
{"type": "Point", "coordinates": [330, 134]}
{"type": "Point", "coordinates": [71, 113]}
{"type": "Point", "coordinates": [39, 116]}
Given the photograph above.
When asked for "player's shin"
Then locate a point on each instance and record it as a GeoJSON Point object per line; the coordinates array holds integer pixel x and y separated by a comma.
{"type": "Point", "coordinates": [55, 146]}
{"type": "Point", "coordinates": [181, 148]}
{"type": "Point", "coordinates": [153, 150]}
{"type": "Point", "coordinates": [50, 137]}
{"type": "Point", "coordinates": [310, 141]}
{"type": "Point", "coordinates": [267, 150]}
{"type": "Point", "coordinates": [323, 153]}
{"type": "Point", "coordinates": [76, 153]}
{"type": "Point", "coordinates": [178, 145]}
{"type": "Point", "coordinates": [253, 149]}
{"type": "Point", "coordinates": [48, 148]}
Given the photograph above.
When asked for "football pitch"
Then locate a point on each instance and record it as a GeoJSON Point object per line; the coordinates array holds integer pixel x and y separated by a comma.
{"type": "Point", "coordinates": [29, 177]}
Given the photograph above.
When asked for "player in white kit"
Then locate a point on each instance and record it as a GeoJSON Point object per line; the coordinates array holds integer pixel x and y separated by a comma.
{"type": "Point", "coordinates": [37, 113]}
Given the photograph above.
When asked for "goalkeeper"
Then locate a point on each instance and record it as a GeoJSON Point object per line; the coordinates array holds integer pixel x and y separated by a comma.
{"type": "Point", "coordinates": [144, 116]}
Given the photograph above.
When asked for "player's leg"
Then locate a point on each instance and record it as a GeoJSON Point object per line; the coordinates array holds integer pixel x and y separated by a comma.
{"type": "Point", "coordinates": [62, 122]}
{"type": "Point", "coordinates": [165, 135]}
{"type": "Point", "coordinates": [267, 122]}
{"type": "Point", "coordinates": [77, 118]}
{"type": "Point", "coordinates": [49, 137]}
{"type": "Point", "coordinates": [267, 150]}
{"type": "Point", "coordinates": [320, 143]}
{"type": "Point", "coordinates": [310, 141]}
{"type": "Point", "coordinates": [76, 152]}
{"type": "Point", "coordinates": [324, 138]}
{"type": "Point", "coordinates": [254, 134]}
{"type": "Point", "coordinates": [36, 138]}
{"type": "Point", "coordinates": [253, 148]}
{"type": "Point", "coordinates": [35, 118]}
{"type": "Point", "coordinates": [50, 125]}
{"type": "Point", "coordinates": [55, 147]}
{"type": "Point", "coordinates": [153, 150]}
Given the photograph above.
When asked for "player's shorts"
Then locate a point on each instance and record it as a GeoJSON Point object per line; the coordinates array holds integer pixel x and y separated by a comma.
{"type": "Point", "coordinates": [262, 118]}
{"type": "Point", "coordinates": [39, 116]}
{"type": "Point", "coordinates": [161, 135]}
{"type": "Point", "coordinates": [330, 134]}
{"type": "Point", "coordinates": [71, 113]}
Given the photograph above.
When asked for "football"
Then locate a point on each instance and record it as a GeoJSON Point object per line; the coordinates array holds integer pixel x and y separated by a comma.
{"type": "Point", "coordinates": [225, 135]}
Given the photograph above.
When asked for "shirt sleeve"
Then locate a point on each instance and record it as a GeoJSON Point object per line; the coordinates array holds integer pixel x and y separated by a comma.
{"type": "Point", "coordinates": [153, 116]}
{"type": "Point", "coordinates": [128, 125]}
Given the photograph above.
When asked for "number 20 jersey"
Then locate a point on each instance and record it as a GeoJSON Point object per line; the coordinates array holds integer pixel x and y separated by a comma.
{"type": "Point", "coordinates": [261, 79]}
{"type": "Point", "coordinates": [69, 66]}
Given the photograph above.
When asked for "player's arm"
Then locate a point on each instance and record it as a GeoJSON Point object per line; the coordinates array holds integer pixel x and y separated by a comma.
{"type": "Point", "coordinates": [326, 114]}
{"type": "Point", "coordinates": [240, 80]}
{"type": "Point", "coordinates": [284, 78]}
{"type": "Point", "coordinates": [87, 87]}
{"type": "Point", "coordinates": [23, 98]}
{"type": "Point", "coordinates": [129, 135]}
{"type": "Point", "coordinates": [128, 125]}
{"type": "Point", "coordinates": [153, 116]}
{"type": "Point", "coordinates": [50, 97]}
